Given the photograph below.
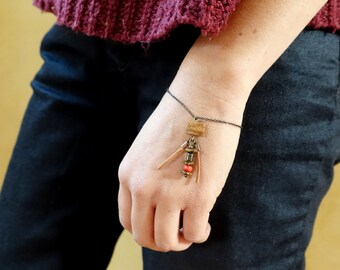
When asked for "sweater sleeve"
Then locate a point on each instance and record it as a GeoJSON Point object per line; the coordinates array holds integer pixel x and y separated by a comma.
{"type": "Point", "coordinates": [45, 5]}
{"type": "Point", "coordinates": [132, 21]}
{"type": "Point", "coordinates": [328, 17]}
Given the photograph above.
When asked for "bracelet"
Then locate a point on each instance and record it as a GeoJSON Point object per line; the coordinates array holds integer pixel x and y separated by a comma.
{"type": "Point", "coordinates": [200, 117]}
{"type": "Point", "coordinates": [195, 128]}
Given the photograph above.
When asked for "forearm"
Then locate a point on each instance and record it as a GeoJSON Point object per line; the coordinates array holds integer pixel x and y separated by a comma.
{"type": "Point", "coordinates": [258, 32]}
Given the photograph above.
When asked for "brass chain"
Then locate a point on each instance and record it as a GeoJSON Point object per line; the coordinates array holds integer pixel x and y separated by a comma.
{"type": "Point", "coordinates": [202, 118]}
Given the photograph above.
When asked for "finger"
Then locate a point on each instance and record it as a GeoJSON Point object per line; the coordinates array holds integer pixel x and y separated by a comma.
{"type": "Point", "coordinates": [124, 207]}
{"type": "Point", "coordinates": [167, 228]}
{"type": "Point", "coordinates": [142, 218]}
{"type": "Point", "coordinates": [195, 225]}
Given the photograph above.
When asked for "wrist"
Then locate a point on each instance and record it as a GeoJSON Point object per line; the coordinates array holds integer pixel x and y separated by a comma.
{"type": "Point", "coordinates": [224, 101]}
{"type": "Point", "coordinates": [205, 71]}
{"type": "Point", "coordinates": [215, 88]}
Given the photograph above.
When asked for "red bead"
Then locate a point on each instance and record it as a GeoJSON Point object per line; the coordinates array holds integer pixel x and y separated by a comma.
{"type": "Point", "coordinates": [187, 168]}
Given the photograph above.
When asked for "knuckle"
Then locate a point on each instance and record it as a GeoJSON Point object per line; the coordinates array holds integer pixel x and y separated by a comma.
{"type": "Point", "coordinates": [139, 194]}
{"type": "Point", "coordinates": [125, 222]}
{"type": "Point", "coordinates": [201, 240]}
{"type": "Point", "coordinates": [193, 236]}
{"type": "Point", "coordinates": [207, 203]}
{"type": "Point", "coordinates": [123, 173]}
{"type": "Point", "coordinates": [142, 241]}
{"type": "Point", "coordinates": [183, 248]}
{"type": "Point", "coordinates": [205, 200]}
{"type": "Point", "coordinates": [166, 246]}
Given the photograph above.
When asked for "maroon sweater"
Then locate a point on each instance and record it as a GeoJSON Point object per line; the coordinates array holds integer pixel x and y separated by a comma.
{"type": "Point", "coordinates": [148, 20]}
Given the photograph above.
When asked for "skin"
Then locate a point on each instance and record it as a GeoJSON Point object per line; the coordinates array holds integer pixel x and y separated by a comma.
{"type": "Point", "coordinates": [215, 80]}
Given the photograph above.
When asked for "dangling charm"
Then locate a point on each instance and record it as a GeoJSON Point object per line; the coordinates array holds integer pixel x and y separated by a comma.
{"type": "Point", "coordinates": [191, 148]}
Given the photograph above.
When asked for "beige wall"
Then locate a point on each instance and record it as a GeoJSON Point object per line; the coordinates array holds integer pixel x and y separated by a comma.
{"type": "Point", "coordinates": [21, 29]}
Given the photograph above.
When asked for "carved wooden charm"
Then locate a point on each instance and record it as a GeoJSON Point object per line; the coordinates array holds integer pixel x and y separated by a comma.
{"type": "Point", "coordinates": [195, 128]}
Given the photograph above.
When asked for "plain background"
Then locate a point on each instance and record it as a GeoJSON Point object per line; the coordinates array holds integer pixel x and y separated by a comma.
{"type": "Point", "coordinates": [21, 29]}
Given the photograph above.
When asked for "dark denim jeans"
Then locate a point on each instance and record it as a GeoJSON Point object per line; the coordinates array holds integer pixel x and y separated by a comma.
{"type": "Point", "coordinates": [58, 206]}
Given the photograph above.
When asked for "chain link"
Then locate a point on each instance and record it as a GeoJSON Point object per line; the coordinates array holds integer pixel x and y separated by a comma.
{"type": "Point", "coordinates": [202, 118]}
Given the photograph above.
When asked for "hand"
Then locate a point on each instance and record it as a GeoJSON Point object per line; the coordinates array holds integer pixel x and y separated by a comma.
{"type": "Point", "coordinates": [162, 209]}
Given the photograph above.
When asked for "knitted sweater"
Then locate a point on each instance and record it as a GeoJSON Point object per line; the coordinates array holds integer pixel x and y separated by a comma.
{"type": "Point", "coordinates": [132, 21]}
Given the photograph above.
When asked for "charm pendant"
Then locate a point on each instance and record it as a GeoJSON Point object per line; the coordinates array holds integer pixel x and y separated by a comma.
{"type": "Point", "coordinates": [191, 149]}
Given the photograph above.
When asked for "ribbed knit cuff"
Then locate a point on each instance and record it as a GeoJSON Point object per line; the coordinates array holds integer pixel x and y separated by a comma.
{"type": "Point", "coordinates": [328, 17]}
{"type": "Point", "coordinates": [132, 21]}
{"type": "Point", "coordinates": [45, 5]}
{"type": "Point", "coordinates": [139, 20]}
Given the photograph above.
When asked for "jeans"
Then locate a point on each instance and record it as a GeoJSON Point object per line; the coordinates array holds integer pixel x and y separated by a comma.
{"type": "Point", "coordinates": [58, 205]}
